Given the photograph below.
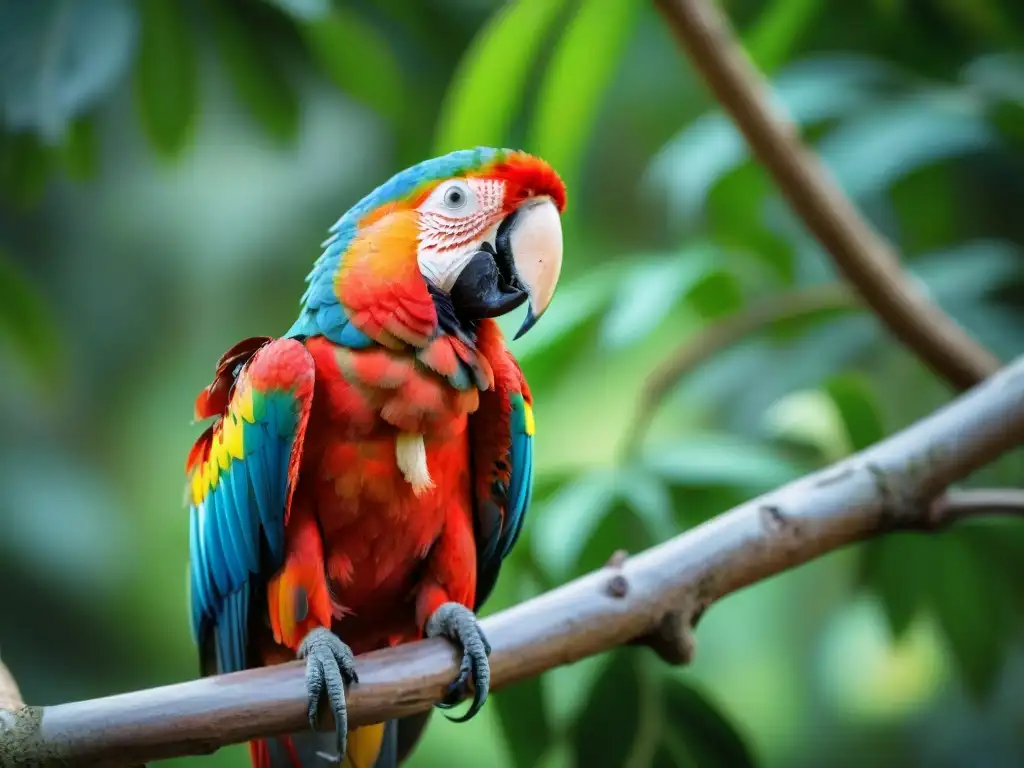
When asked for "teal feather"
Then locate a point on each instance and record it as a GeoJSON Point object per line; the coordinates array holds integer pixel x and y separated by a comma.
{"type": "Point", "coordinates": [245, 507]}
{"type": "Point", "coordinates": [500, 519]}
{"type": "Point", "coordinates": [199, 595]}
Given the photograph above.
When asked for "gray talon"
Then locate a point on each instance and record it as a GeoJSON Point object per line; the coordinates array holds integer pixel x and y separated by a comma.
{"type": "Point", "coordinates": [330, 667]}
{"type": "Point", "coordinates": [459, 625]}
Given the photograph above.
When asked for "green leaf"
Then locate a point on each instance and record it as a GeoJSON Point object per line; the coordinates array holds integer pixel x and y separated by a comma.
{"type": "Point", "coordinates": [897, 139]}
{"type": "Point", "coordinates": [812, 91]}
{"type": "Point", "coordinates": [720, 459]}
{"type": "Point", "coordinates": [258, 78]}
{"type": "Point", "coordinates": [896, 568]}
{"type": "Point", "coordinates": [60, 57]}
{"type": "Point", "coordinates": [696, 504]}
{"type": "Point", "coordinates": [858, 407]}
{"type": "Point", "coordinates": [716, 294]}
{"type": "Point", "coordinates": [579, 73]}
{"type": "Point", "coordinates": [488, 86]}
{"type": "Point", "coordinates": [707, 733]}
{"type": "Point", "coordinates": [971, 614]}
{"type": "Point", "coordinates": [735, 217]}
{"type": "Point", "coordinates": [619, 528]}
{"type": "Point", "coordinates": [561, 526]}
{"type": "Point", "coordinates": [26, 320]}
{"type": "Point", "coordinates": [78, 152]}
{"type": "Point", "coordinates": [999, 76]}
{"type": "Point", "coordinates": [24, 168]}
{"type": "Point", "coordinates": [573, 526]}
{"type": "Point", "coordinates": [523, 713]}
{"type": "Point", "coordinates": [665, 757]}
{"type": "Point", "coordinates": [651, 290]}
{"type": "Point", "coordinates": [647, 496]}
{"type": "Point", "coordinates": [305, 10]}
{"type": "Point", "coordinates": [606, 730]}
{"type": "Point", "coordinates": [358, 59]}
{"type": "Point", "coordinates": [166, 77]}
{"type": "Point", "coordinates": [673, 753]}
{"type": "Point", "coordinates": [968, 271]}
{"type": "Point", "coordinates": [771, 39]}
{"type": "Point", "coordinates": [985, 18]}
{"type": "Point", "coordinates": [997, 545]}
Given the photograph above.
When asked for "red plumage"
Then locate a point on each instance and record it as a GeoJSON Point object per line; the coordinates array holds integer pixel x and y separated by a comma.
{"type": "Point", "coordinates": [401, 491]}
{"type": "Point", "coordinates": [375, 530]}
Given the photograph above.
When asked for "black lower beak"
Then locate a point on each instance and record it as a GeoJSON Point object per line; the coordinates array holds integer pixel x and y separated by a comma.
{"type": "Point", "coordinates": [481, 289]}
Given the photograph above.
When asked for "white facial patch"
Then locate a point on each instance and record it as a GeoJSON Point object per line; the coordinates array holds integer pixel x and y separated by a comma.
{"type": "Point", "coordinates": [455, 221]}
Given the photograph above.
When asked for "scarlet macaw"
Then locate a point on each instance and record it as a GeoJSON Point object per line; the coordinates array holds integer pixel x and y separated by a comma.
{"type": "Point", "coordinates": [366, 474]}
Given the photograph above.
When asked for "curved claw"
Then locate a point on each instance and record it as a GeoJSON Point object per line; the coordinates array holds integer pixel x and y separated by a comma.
{"type": "Point", "coordinates": [330, 667]}
{"type": "Point", "coordinates": [458, 624]}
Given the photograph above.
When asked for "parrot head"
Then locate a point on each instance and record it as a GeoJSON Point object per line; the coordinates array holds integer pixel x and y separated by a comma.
{"type": "Point", "coordinates": [488, 238]}
{"type": "Point", "coordinates": [491, 237]}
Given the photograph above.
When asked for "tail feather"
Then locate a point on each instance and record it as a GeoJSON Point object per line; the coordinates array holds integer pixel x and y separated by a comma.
{"type": "Point", "coordinates": [369, 746]}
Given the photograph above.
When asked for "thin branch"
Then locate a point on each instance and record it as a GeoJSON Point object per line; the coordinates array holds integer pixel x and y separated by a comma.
{"type": "Point", "coordinates": [954, 506]}
{"type": "Point", "coordinates": [860, 253]}
{"type": "Point", "coordinates": [723, 333]}
{"type": "Point", "coordinates": [657, 595]}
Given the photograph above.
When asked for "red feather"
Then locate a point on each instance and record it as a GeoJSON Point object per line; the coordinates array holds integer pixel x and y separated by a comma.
{"type": "Point", "coordinates": [380, 284]}
{"type": "Point", "coordinates": [525, 176]}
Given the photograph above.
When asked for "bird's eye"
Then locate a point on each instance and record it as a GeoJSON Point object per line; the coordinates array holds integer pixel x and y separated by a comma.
{"type": "Point", "coordinates": [454, 197]}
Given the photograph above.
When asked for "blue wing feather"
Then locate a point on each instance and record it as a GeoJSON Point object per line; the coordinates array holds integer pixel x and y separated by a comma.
{"type": "Point", "coordinates": [231, 536]}
{"type": "Point", "coordinates": [500, 516]}
{"type": "Point", "coordinates": [198, 596]}
{"type": "Point", "coordinates": [521, 478]}
{"type": "Point", "coordinates": [245, 504]}
{"type": "Point", "coordinates": [215, 547]}
{"type": "Point", "coordinates": [247, 525]}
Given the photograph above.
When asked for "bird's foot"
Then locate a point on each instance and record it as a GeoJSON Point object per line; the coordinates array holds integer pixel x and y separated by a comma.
{"type": "Point", "coordinates": [458, 624]}
{"type": "Point", "coordinates": [330, 668]}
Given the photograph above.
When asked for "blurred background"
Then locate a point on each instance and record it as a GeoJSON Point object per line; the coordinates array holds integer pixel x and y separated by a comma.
{"type": "Point", "coordinates": [169, 169]}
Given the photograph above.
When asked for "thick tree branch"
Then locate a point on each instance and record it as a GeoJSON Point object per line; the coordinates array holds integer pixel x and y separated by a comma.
{"type": "Point", "coordinates": [860, 253]}
{"type": "Point", "coordinates": [723, 333]}
{"type": "Point", "coordinates": [658, 595]}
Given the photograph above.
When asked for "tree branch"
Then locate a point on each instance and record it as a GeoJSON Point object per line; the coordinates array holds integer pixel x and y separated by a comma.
{"type": "Point", "coordinates": [860, 253]}
{"type": "Point", "coordinates": [722, 334]}
{"type": "Point", "coordinates": [658, 595]}
{"type": "Point", "coordinates": [954, 506]}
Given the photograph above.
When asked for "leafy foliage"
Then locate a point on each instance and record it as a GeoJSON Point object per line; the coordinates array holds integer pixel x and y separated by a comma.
{"type": "Point", "coordinates": [494, 71]}
{"type": "Point", "coordinates": [26, 322]}
{"type": "Point", "coordinates": [922, 129]}
{"type": "Point", "coordinates": [575, 80]}
{"type": "Point", "coordinates": [60, 58]}
{"type": "Point", "coordinates": [607, 728]}
{"type": "Point", "coordinates": [257, 77]}
{"type": "Point", "coordinates": [358, 61]}
{"type": "Point", "coordinates": [166, 80]}
{"type": "Point", "coordinates": [707, 738]}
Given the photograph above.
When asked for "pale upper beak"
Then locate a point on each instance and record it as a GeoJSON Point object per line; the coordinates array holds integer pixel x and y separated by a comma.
{"type": "Point", "coordinates": [522, 263]}
{"type": "Point", "coordinates": [535, 243]}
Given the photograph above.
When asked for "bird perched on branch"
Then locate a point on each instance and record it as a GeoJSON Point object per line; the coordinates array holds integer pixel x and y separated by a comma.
{"type": "Point", "coordinates": [365, 475]}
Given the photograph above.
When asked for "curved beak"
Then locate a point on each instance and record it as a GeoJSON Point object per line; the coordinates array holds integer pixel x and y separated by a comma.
{"type": "Point", "coordinates": [535, 244]}
{"type": "Point", "coordinates": [523, 263]}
